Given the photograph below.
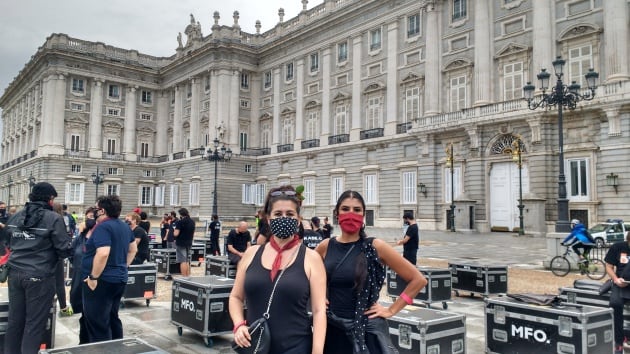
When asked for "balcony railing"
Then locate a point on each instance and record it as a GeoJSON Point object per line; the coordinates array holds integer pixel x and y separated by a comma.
{"type": "Point", "coordinates": [197, 152]}
{"type": "Point", "coordinates": [163, 158]}
{"type": "Point", "coordinates": [76, 153]}
{"type": "Point", "coordinates": [371, 133]}
{"type": "Point", "coordinates": [285, 148]}
{"type": "Point", "coordinates": [179, 155]}
{"type": "Point", "coordinates": [150, 159]}
{"type": "Point", "coordinates": [266, 151]}
{"type": "Point", "coordinates": [338, 139]}
{"type": "Point", "coordinates": [108, 156]}
{"type": "Point", "coordinates": [253, 152]}
{"type": "Point", "coordinates": [403, 127]}
{"type": "Point", "coordinates": [308, 144]}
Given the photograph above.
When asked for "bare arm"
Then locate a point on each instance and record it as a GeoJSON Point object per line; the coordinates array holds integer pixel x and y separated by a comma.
{"type": "Point", "coordinates": [314, 267]}
{"type": "Point", "coordinates": [133, 249]}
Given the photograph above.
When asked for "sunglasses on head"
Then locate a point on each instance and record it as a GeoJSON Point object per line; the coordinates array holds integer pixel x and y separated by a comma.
{"type": "Point", "coordinates": [279, 193]}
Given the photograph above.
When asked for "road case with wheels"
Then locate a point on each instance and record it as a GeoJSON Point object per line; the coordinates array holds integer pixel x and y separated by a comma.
{"type": "Point", "coordinates": [438, 287]}
{"type": "Point", "coordinates": [141, 282]}
{"type": "Point", "coordinates": [197, 253]}
{"type": "Point", "coordinates": [479, 279]}
{"type": "Point", "coordinates": [515, 327]}
{"type": "Point", "coordinates": [421, 331]}
{"type": "Point", "coordinates": [118, 346]}
{"type": "Point", "coordinates": [220, 266]}
{"type": "Point", "coordinates": [166, 261]}
{"type": "Point", "coordinates": [49, 335]}
{"type": "Point", "coordinates": [201, 305]}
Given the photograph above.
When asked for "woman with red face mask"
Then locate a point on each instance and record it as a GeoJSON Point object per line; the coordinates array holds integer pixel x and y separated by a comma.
{"type": "Point", "coordinates": [355, 269]}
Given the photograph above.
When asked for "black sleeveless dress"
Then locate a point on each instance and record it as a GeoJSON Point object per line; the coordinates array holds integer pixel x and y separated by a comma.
{"type": "Point", "coordinates": [289, 323]}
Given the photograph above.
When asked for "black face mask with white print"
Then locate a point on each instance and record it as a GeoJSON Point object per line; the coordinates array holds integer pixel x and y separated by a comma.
{"type": "Point", "coordinates": [283, 227]}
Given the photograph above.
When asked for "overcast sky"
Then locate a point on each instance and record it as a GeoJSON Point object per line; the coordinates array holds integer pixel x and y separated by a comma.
{"type": "Point", "coordinates": [149, 26]}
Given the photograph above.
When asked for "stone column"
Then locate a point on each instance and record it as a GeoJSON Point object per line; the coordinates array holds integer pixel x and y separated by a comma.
{"type": "Point", "coordinates": [356, 128]}
{"type": "Point", "coordinates": [616, 39]}
{"type": "Point", "coordinates": [325, 133]}
{"type": "Point", "coordinates": [234, 125]}
{"type": "Point", "coordinates": [213, 118]}
{"type": "Point", "coordinates": [299, 106]}
{"type": "Point", "coordinates": [177, 119]}
{"type": "Point", "coordinates": [542, 37]}
{"type": "Point", "coordinates": [161, 135]}
{"type": "Point", "coordinates": [194, 113]}
{"type": "Point", "coordinates": [276, 109]}
{"type": "Point", "coordinates": [52, 116]}
{"type": "Point", "coordinates": [391, 114]}
{"type": "Point", "coordinates": [223, 96]}
{"type": "Point", "coordinates": [483, 54]}
{"type": "Point", "coordinates": [254, 113]}
{"type": "Point", "coordinates": [432, 72]}
{"type": "Point", "coordinates": [129, 144]}
{"type": "Point", "coordinates": [58, 132]}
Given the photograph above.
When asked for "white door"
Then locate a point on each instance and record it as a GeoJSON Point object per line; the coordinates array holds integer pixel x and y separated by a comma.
{"type": "Point", "coordinates": [504, 194]}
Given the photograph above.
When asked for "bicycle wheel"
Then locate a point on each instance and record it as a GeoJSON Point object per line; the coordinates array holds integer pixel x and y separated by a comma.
{"type": "Point", "coordinates": [596, 269]}
{"type": "Point", "coordinates": [560, 266]}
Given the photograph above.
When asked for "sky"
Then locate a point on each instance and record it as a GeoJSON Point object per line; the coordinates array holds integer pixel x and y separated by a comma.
{"type": "Point", "coordinates": [149, 26]}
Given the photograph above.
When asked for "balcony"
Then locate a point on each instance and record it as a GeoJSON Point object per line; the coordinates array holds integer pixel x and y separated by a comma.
{"type": "Point", "coordinates": [266, 151]}
{"type": "Point", "coordinates": [254, 151]}
{"type": "Point", "coordinates": [179, 155]}
{"type": "Point", "coordinates": [197, 152]}
{"type": "Point", "coordinates": [338, 139]}
{"type": "Point", "coordinates": [371, 133]}
{"type": "Point", "coordinates": [76, 153]}
{"type": "Point", "coordinates": [116, 157]}
{"type": "Point", "coordinates": [403, 128]}
{"type": "Point", "coordinates": [308, 144]}
{"type": "Point", "coordinates": [285, 148]}
{"type": "Point", "coordinates": [149, 159]}
{"type": "Point", "coordinates": [163, 158]}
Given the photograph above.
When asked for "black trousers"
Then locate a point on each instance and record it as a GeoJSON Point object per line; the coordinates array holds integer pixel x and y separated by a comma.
{"type": "Point", "coordinates": [60, 285]}
{"type": "Point", "coordinates": [618, 297]}
{"type": "Point", "coordinates": [100, 311]}
{"type": "Point", "coordinates": [411, 256]}
{"type": "Point", "coordinates": [30, 300]}
{"type": "Point", "coordinates": [214, 245]}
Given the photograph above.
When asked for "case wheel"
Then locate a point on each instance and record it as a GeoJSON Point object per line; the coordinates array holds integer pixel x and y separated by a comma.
{"type": "Point", "coordinates": [208, 341]}
{"type": "Point", "coordinates": [180, 331]}
{"type": "Point", "coordinates": [444, 305]}
{"type": "Point", "coordinates": [168, 277]}
{"type": "Point", "coordinates": [456, 293]}
{"type": "Point", "coordinates": [148, 302]}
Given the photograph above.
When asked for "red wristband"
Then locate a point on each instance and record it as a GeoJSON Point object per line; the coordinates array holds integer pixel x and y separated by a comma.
{"type": "Point", "coordinates": [407, 299]}
{"type": "Point", "coordinates": [236, 326]}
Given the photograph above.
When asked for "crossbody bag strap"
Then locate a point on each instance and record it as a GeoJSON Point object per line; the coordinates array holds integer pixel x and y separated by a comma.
{"type": "Point", "coordinates": [266, 314]}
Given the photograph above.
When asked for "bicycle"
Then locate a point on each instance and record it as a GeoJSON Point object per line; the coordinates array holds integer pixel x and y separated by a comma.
{"type": "Point", "coordinates": [593, 268]}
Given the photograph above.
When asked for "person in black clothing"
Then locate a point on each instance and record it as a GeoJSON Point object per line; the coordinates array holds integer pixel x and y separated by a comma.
{"type": "Point", "coordinates": [184, 231]}
{"type": "Point", "coordinates": [311, 238]}
{"type": "Point", "coordinates": [38, 240]}
{"type": "Point", "coordinates": [617, 260]}
{"type": "Point", "coordinates": [4, 238]}
{"type": "Point", "coordinates": [76, 284]}
{"type": "Point", "coordinates": [411, 239]}
{"type": "Point", "coordinates": [238, 240]}
{"type": "Point", "coordinates": [164, 228]}
{"type": "Point", "coordinates": [263, 232]}
{"type": "Point", "coordinates": [327, 228]}
{"type": "Point", "coordinates": [215, 231]}
{"type": "Point", "coordinates": [144, 223]}
{"type": "Point", "coordinates": [141, 236]}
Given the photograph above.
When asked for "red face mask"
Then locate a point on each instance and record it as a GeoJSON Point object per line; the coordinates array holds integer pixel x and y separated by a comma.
{"type": "Point", "coordinates": [350, 222]}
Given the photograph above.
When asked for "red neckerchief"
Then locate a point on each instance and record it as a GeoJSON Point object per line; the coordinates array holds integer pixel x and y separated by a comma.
{"type": "Point", "coordinates": [275, 267]}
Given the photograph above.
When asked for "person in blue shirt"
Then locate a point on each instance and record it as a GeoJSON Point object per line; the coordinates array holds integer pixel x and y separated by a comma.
{"type": "Point", "coordinates": [578, 238]}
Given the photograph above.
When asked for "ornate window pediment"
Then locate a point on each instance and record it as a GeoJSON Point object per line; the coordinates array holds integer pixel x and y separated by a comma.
{"type": "Point", "coordinates": [340, 96]}
{"type": "Point", "coordinates": [411, 77]}
{"type": "Point", "coordinates": [579, 30]}
{"type": "Point", "coordinates": [510, 49]}
{"type": "Point", "coordinates": [503, 145]}
{"type": "Point", "coordinates": [458, 63]}
{"type": "Point", "coordinates": [375, 86]}
{"type": "Point", "coordinates": [287, 110]}
{"type": "Point", "coordinates": [266, 115]}
{"type": "Point", "coordinates": [313, 104]}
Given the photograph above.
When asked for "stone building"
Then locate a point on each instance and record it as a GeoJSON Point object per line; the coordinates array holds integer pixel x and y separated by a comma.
{"type": "Point", "coordinates": [368, 95]}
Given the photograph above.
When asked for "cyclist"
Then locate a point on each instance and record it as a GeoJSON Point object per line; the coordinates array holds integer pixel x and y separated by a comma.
{"type": "Point", "coordinates": [579, 238]}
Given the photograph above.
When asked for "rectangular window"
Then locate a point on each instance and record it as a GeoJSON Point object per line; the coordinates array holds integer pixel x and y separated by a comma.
{"type": "Point", "coordinates": [159, 195]}
{"type": "Point", "coordinates": [513, 81]}
{"type": "Point", "coordinates": [289, 72]}
{"type": "Point", "coordinates": [207, 83]}
{"type": "Point", "coordinates": [253, 194]}
{"type": "Point", "coordinates": [458, 93]}
{"type": "Point", "coordinates": [174, 194]}
{"type": "Point", "coordinates": [113, 189]}
{"type": "Point", "coordinates": [75, 168]}
{"type": "Point", "coordinates": [337, 189]}
{"type": "Point", "coordinates": [340, 120]}
{"type": "Point", "coordinates": [287, 130]}
{"type": "Point", "coordinates": [146, 195]}
{"type": "Point", "coordinates": [447, 184]}
{"type": "Point", "coordinates": [77, 106]}
{"type": "Point", "coordinates": [309, 191]}
{"type": "Point", "coordinates": [373, 113]}
{"type": "Point", "coordinates": [261, 192]}
{"type": "Point", "coordinates": [265, 138]}
{"type": "Point", "coordinates": [144, 149]}
{"type": "Point", "coordinates": [74, 193]}
{"type": "Point", "coordinates": [147, 97]}
{"type": "Point", "coordinates": [78, 86]}
{"type": "Point", "coordinates": [75, 143]}
{"type": "Point", "coordinates": [314, 62]}
{"type": "Point", "coordinates": [193, 193]}
{"type": "Point", "coordinates": [113, 112]}
{"type": "Point", "coordinates": [114, 91]}
{"type": "Point", "coordinates": [146, 116]}
{"type": "Point", "coordinates": [459, 9]}
{"type": "Point", "coordinates": [342, 52]}
{"type": "Point", "coordinates": [244, 80]}
{"type": "Point", "coordinates": [248, 168]}
{"type": "Point", "coordinates": [580, 60]}
{"type": "Point", "coordinates": [113, 171]}
{"type": "Point", "coordinates": [312, 126]}
{"type": "Point", "coordinates": [370, 189]}
{"type": "Point", "coordinates": [578, 179]}
{"type": "Point", "coordinates": [409, 187]}
{"type": "Point", "coordinates": [147, 173]}
{"type": "Point", "coordinates": [111, 146]}
{"type": "Point", "coordinates": [267, 79]}
{"type": "Point", "coordinates": [413, 25]}
{"type": "Point", "coordinates": [375, 39]}
{"type": "Point", "coordinates": [242, 141]}
{"type": "Point", "coordinates": [245, 104]}
{"type": "Point", "coordinates": [412, 104]}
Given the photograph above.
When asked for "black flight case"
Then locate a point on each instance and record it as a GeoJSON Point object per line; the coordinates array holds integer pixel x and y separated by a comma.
{"type": "Point", "coordinates": [141, 283]}
{"type": "Point", "coordinates": [118, 346]}
{"type": "Point", "coordinates": [197, 252]}
{"type": "Point", "coordinates": [49, 335]}
{"type": "Point", "coordinates": [438, 287]}
{"type": "Point", "coordinates": [220, 266]}
{"type": "Point", "coordinates": [166, 261]}
{"type": "Point", "coordinates": [479, 279]}
{"type": "Point", "coordinates": [423, 330]}
{"type": "Point", "coordinates": [201, 305]}
{"type": "Point", "coordinates": [514, 327]}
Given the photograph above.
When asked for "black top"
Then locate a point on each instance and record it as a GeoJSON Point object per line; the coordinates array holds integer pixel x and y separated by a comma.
{"type": "Point", "coordinates": [143, 246]}
{"type": "Point", "coordinates": [412, 244]}
{"type": "Point", "coordinates": [327, 230]}
{"type": "Point", "coordinates": [289, 322]}
{"type": "Point", "coordinates": [239, 240]}
{"type": "Point", "coordinates": [186, 227]}
{"type": "Point", "coordinates": [342, 295]}
{"type": "Point", "coordinates": [145, 224]}
{"type": "Point", "coordinates": [215, 228]}
{"type": "Point", "coordinates": [619, 256]}
{"type": "Point", "coordinates": [311, 238]}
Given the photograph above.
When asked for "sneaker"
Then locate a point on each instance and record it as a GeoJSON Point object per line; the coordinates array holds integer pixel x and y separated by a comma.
{"type": "Point", "coordinates": [619, 349]}
{"type": "Point", "coordinates": [584, 261]}
{"type": "Point", "coordinates": [66, 312]}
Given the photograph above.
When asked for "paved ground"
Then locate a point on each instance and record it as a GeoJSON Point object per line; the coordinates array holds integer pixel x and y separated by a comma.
{"type": "Point", "coordinates": [153, 323]}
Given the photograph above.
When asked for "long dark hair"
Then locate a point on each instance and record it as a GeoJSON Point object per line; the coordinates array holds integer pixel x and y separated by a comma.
{"type": "Point", "coordinates": [360, 271]}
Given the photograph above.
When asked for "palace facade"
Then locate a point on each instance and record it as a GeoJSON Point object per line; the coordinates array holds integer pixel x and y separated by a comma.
{"type": "Point", "coordinates": [416, 104]}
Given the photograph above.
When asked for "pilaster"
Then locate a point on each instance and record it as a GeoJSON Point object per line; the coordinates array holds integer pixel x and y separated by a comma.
{"type": "Point", "coordinates": [391, 116]}
{"type": "Point", "coordinates": [129, 144]}
{"type": "Point", "coordinates": [356, 89]}
{"type": "Point", "coordinates": [194, 113]}
{"type": "Point", "coordinates": [299, 105]}
{"type": "Point", "coordinates": [483, 51]}
{"type": "Point", "coordinates": [326, 118]}
{"type": "Point", "coordinates": [161, 140]}
{"type": "Point", "coordinates": [616, 36]}
{"type": "Point", "coordinates": [432, 61]}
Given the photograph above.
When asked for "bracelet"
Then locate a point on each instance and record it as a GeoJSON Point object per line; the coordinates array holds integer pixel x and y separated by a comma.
{"type": "Point", "coordinates": [406, 297]}
{"type": "Point", "coordinates": [236, 326]}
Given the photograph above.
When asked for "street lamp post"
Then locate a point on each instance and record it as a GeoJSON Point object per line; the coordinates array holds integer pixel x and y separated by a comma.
{"type": "Point", "coordinates": [97, 178]}
{"type": "Point", "coordinates": [517, 152]}
{"type": "Point", "coordinates": [216, 155]}
{"type": "Point", "coordinates": [31, 180]}
{"type": "Point", "coordinates": [9, 184]}
{"type": "Point", "coordinates": [449, 164]}
{"type": "Point", "coordinates": [562, 96]}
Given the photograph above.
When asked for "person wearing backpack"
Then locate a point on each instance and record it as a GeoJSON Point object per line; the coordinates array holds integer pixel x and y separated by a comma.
{"type": "Point", "coordinates": [579, 239]}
